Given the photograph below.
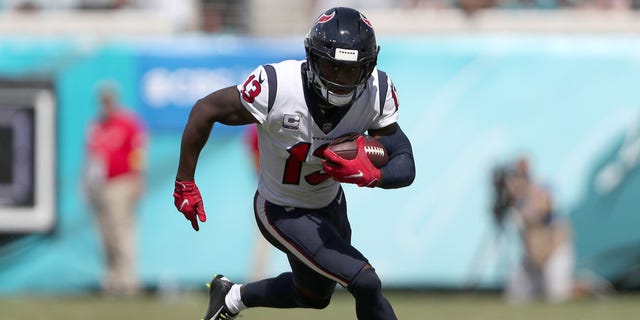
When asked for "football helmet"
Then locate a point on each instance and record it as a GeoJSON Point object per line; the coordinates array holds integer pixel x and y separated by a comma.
{"type": "Point", "coordinates": [341, 53]}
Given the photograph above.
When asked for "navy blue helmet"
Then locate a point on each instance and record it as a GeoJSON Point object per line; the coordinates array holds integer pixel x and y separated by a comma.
{"type": "Point", "coordinates": [341, 53]}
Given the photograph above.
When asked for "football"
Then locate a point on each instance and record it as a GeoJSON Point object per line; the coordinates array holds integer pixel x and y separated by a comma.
{"type": "Point", "coordinates": [346, 147]}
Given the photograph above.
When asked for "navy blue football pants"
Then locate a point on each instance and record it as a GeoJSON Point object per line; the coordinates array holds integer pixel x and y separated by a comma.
{"type": "Point", "coordinates": [318, 246]}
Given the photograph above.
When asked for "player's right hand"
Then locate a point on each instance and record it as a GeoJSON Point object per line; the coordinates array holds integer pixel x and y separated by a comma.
{"type": "Point", "coordinates": [188, 200]}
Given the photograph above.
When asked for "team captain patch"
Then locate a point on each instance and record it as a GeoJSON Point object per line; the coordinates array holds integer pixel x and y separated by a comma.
{"type": "Point", "coordinates": [291, 121]}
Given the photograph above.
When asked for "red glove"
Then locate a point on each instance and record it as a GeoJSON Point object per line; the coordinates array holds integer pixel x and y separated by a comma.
{"type": "Point", "coordinates": [358, 170]}
{"type": "Point", "coordinates": [188, 200]}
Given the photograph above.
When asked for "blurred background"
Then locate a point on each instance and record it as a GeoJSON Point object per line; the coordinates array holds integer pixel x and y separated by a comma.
{"type": "Point", "coordinates": [481, 83]}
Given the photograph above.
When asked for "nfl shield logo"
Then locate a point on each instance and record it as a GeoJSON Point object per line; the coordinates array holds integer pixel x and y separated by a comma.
{"type": "Point", "coordinates": [291, 121]}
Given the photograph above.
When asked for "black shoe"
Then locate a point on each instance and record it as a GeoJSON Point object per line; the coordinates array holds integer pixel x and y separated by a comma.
{"type": "Point", "coordinates": [218, 289]}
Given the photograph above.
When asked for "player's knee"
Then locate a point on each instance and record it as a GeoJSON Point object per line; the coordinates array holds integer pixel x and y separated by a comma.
{"type": "Point", "coordinates": [366, 284]}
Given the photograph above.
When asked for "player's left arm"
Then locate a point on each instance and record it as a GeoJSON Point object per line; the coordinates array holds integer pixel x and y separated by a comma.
{"type": "Point", "coordinates": [400, 171]}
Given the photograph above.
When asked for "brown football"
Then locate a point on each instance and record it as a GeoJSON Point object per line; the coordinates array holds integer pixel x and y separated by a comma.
{"type": "Point", "coordinates": [346, 147]}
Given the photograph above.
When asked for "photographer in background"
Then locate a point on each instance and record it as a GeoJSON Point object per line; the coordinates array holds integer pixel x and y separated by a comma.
{"type": "Point", "coordinates": [546, 268]}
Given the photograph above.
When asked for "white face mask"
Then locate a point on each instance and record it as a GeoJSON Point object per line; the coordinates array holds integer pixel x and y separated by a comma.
{"type": "Point", "coordinates": [338, 100]}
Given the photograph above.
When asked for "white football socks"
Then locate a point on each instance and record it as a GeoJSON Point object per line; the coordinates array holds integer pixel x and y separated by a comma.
{"type": "Point", "coordinates": [233, 300]}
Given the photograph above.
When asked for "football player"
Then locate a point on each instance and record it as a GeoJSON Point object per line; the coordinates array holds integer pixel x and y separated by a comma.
{"type": "Point", "coordinates": [300, 208]}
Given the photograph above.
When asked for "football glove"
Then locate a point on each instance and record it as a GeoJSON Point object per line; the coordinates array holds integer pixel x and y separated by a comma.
{"type": "Point", "coordinates": [358, 170]}
{"type": "Point", "coordinates": [188, 200]}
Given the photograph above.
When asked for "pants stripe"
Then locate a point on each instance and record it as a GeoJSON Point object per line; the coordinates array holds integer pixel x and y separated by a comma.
{"type": "Point", "coordinates": [261, 213]}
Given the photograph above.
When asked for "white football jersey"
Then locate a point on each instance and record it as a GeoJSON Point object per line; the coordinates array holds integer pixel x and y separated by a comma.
{"type": "Point", "coordinates": [290, 140]}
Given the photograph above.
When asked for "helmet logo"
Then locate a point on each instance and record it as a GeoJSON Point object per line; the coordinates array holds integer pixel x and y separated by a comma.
{"type": "Point", "coordinates": [326, 17]}
{"type": "Point", "coordinates": [365, 20]}
{"type": "Point", "coordinates": [346, 54]}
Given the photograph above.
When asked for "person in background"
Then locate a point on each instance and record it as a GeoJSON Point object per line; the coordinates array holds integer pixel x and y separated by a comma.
{"type": "Point", "coordinates": [113, 181]}
{"type": "Point", "coordinates": [251, 140]}
{"type": "Point", "coordinates": [546, 270]}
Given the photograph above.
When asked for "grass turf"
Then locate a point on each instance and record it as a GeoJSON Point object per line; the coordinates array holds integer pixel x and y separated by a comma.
{"type": "Point", "coordinates": [408, 306]}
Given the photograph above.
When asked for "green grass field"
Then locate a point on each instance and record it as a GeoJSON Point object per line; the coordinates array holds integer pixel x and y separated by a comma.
{"type": "Point", "coordinates": [408, 306]}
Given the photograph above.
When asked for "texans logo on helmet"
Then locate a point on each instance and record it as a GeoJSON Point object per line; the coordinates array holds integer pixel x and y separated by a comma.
{"type": "Point", "coordinates": [326, 17]}
{"type": "Point", "coordinates": [365, 20]}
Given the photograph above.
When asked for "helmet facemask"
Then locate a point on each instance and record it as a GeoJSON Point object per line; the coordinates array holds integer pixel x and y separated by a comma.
{"type": "Point", "coordinates": [338, 82]}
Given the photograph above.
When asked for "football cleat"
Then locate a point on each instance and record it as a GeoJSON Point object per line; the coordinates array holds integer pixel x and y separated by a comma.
{"type": "Point", "coordinates": [218, 289]}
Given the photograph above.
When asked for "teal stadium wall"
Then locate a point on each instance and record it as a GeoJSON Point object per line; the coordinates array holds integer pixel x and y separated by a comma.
{"type": "Point", "coordinates": [467, 102]}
